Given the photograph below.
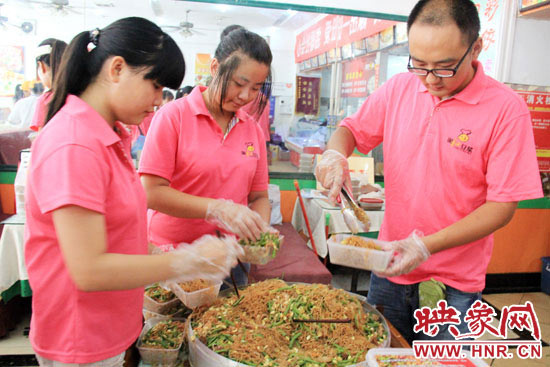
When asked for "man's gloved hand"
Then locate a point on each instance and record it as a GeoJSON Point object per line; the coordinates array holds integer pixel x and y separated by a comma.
{"type": "Point", "coordinates": [407, 255]}
{"type": "Point", "coordinates": [332, 172]}
{"type": "Point", "coordinates": [208, 258]}
{"type": "Point", "coordinates": [236, 218]}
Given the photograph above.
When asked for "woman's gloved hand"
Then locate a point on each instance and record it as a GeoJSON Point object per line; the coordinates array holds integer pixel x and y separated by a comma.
{"type": "Point", "coordinates": [332, 172]}
{"type": "Point", "coordinates": [407, 255]}
{"type": "Point", "coordinates": [236, 218]}
{"type": "Point", "coordinates": [208, 258]}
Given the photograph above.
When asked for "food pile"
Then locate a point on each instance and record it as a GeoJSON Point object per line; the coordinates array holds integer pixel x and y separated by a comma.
{"type": "Point", "coordinates": [159, 294]}
{"type": "Point", "coordinates": [262, 327]}
{"type": "Point", "coordinates": [164, 335]}
{"type": "Point", "coordinates": [357, 241]}
{"type": "Point", "coordinates": [194, 285]}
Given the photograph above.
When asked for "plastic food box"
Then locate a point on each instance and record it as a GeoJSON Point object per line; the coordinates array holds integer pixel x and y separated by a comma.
{"type": "Point", "coordinates": [197, 298]}
{"type": "Point", "coordinates": [157, 356]}
{"type": "Point", "coordinates": [150, 304]}
{"type": "Point", "coordinates": [260, 255]}
{"type": "Point", "coordinates": [357, 257]}
{"type": "Point", "coordinates": [398, 357]}
{"type": "Point", "coordinates": [152, 315]}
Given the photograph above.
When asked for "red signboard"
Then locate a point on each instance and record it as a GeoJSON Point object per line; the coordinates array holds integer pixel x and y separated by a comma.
{"type": "Point", "coordinates": [357, 74]}
{"type": "Point", "coordinates": [539, 105]}
{"type": "Point", "coordinates": [335, 31]}
{"type": "Point", "coordinates": [307, 95]}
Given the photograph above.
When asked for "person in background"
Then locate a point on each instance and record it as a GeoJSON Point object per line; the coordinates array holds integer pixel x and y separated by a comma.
{"type": "Point", "coordinates": [18, 94]}
{"type": "Point", "coordinates": [167, 96]}
{"type": "Point", "coordinates": [182, 92]}
{"type": "Point", "coordinates": [86, 249]}
{"type": "Point", "coordinates": [48, 58]}
{"type": "Point", "coordinates": [458, 156]}
{"type": "Point", "coordinates": [204, 163]}
{"type": "Point", "coordinates": [23, 110]}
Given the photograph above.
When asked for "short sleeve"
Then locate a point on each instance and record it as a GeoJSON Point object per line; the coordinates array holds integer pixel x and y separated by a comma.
{"type": "Point", "coordinates": [40, 112]}
{"type": "Point", "coordinates": [71, 175]}
{"type": "Point", "coordinates": [161, 144]}
{"type": "Point", "coordinates": [260, 181]}
{"type": "Point", "coordinates": [512, 168]}
{"type": "Point", "coordinates": [367, 124]}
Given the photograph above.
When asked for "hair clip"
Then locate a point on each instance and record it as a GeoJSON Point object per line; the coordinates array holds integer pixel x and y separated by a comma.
{"type": "Point", "coordinates": [94, 39]}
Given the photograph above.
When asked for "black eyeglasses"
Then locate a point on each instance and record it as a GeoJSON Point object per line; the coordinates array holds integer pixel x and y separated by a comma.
{"type": "Point", "coordinates": [438, 72]}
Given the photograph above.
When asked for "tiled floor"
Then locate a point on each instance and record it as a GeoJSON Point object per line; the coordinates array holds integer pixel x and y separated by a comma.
{"type": "Point", "coordinates": [16, 343]}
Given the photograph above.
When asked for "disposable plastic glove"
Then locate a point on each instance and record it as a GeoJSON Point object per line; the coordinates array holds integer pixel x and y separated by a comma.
{"type": "Point", "coordinates": [236, 218]}
{"type": "Point", "coordinates": [332, 172]}
{"type": "Point", "coordinates": [408, 254]}
{"type": "Point", "coordinates": [208, 258]}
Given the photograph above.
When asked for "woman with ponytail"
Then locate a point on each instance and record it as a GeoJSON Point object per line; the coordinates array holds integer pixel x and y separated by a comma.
{"type": "Point", "coordinates": [48, 59]}
{"type": "Point", "coordinates": [204, 162]}
{"type": "Point", "coordinates": [86, 250]}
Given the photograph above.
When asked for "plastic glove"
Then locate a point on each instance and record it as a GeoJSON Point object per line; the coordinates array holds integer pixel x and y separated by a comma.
{"type": "Point", "coordinates": [332, 172]}
{"type": "Point", "coordinates": [208, 258]}
{"type": "Point", "coordinates": [408, 254]}
{"type": "Point", "coordinates": [236, 218]}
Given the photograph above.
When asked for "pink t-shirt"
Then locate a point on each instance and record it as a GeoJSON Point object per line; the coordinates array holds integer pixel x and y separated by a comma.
{"type": "Point", "coordinates": [444, 159]}
{"type": "Point", "coordinates": [186, 146]}
{"type": "Point", "coordinates": [41, 111]}
{"type": "Point", "coordinates": [79, 160]}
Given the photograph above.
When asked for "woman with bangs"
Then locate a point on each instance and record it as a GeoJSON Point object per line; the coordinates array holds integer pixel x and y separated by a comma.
{"type": "Point", "coordinates": [204, 164]}
{"type": "Point", "coordinates": [86, 249]}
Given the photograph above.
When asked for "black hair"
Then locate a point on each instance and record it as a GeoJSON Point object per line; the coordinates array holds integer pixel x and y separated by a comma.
{"type": "Point", "coordinates": [229, 29]}
{"type": "Point", "coordinates": [229, 54]}
{"type": "Point", "coordinates": [18, 93]}
{"type": "Point", "coordinates": [439, 12]}
{"type": "Point", "coordinates": [184, 91]}
{"type": "Point", "coordinates": [166, 94]}
{"type": "Point", "coordinates": [37, 88]}
{"type": "Point", "coordinates": [53, 59]}
{"type": "Point", "coordinates": [140, 42]}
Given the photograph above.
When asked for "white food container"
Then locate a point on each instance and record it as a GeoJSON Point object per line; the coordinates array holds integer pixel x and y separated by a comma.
{"type": "Point", "coordinates": [357, 257]}
{"type": "Point", "coordinates": [157, 356]}
{"type": "Point", "coordinates": [197, 298]}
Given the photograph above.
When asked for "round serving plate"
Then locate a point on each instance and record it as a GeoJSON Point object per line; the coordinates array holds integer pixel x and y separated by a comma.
{"type": "Point", "coordinates": [202, 356]}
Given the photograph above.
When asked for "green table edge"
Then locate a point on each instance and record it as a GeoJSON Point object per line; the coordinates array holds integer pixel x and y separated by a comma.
{"type": "Point", "coordinates": [19, 288]}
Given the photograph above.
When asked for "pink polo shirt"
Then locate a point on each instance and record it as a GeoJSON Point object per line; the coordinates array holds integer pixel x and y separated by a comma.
{"type": "Point", "coordinates": [443, 159]}
{"type": "Point", "coordinates": [263, 119]}
{"type": "Point", "coordinates": [79, 160]}
{"type": "Point", "coordinates": [186, 146]}
{"type": "Point", "coordinates": [41, 111]}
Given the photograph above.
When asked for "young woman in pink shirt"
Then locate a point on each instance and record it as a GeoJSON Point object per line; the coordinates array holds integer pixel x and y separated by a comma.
{"type": "Point", "coordinates": [86, 248]}
{"type": "Point", "coordinates": [48, 58]}
{"type": "Point", "coordinates": [204, 162]}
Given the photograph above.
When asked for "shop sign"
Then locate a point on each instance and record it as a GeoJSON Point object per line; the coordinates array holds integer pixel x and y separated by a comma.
{"type": "Point", "coordinates": [334, 31]}
{"type": "Point", "coordinates": [490, 13]}
{"type": "Point", "coordinates": [539, 105]}
{"type": "Point", "coordinates": [360, 77]}
{"type": "Point", "coordinates": [307, 95]}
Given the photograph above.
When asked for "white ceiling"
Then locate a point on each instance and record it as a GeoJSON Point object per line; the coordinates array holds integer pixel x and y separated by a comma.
{"type": "Point", "coordinates": [204, 16]}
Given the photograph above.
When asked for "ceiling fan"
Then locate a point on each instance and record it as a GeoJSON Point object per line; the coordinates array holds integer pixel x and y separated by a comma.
{"type": "Point", "coordinates": [185, 27]}
{"type": "Point", "coordinates": [61, 7]}
{"type": "Point", "coordinates": [26, 27]}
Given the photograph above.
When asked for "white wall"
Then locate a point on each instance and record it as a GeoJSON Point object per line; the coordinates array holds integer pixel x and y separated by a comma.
{"type": "Point", "coordinates": [530, 53]}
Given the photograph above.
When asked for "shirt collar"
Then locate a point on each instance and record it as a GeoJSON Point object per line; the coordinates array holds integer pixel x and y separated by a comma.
{"type": "Point", "coordinates": [198, 107]}
{"type": "Point", "coordinates": [473, 91]}
{"type": "Point", "coordinates": [93, 122]}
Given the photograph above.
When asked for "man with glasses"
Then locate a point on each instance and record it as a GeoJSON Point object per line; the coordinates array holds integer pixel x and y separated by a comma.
{"type": "Point", "coordinates": [458, 155]}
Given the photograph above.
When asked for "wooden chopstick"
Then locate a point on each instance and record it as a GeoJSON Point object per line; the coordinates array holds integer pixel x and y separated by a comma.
{"type": "Point", "coordinates": [234, 284]}
{"type": "Point", "coordinates": [326, 321]}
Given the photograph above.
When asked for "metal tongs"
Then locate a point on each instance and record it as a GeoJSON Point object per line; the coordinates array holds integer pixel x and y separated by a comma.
{"type": "Point", "coordinates": [356, 219]}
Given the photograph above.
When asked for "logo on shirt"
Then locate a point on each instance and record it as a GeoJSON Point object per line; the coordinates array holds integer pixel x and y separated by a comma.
{"type": "Point", "coordinates": [460, 141]}
{"type": "Point", "coordinates": [249, 150]}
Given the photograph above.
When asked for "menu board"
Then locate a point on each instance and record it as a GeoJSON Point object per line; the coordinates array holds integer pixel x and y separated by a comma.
{"type": "Point", "coordinates": [307, 95]}
{"type": "Point", "coordinates": [322, 59]}
{"type": "Point", "coordinates": [346, 51]}
{"type": "Point", "coordinates": [373, 42]}
{"type": "Point", "coordinates": [359, 47]}
{"type": "Point", "coordinates": [386, 37]}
